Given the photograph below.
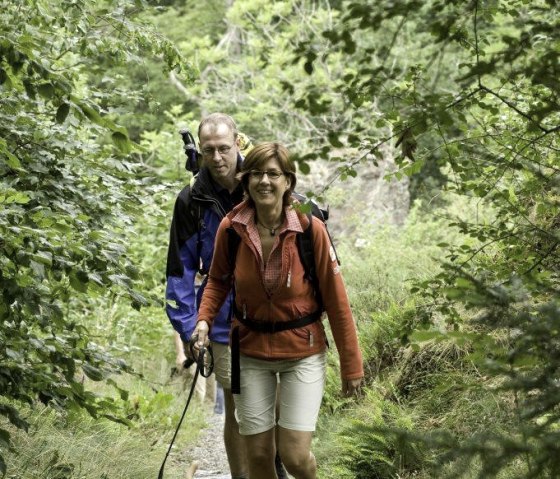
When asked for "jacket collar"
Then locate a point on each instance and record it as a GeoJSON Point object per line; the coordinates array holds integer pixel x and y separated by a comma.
{"type": "Point", "coordinates": [244, 214]}
{"type": "Point", "coordinates": [204, 184]}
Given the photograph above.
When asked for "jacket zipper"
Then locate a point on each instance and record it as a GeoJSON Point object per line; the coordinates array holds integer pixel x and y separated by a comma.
{"type": "Point", "coordinates": [207, 199]}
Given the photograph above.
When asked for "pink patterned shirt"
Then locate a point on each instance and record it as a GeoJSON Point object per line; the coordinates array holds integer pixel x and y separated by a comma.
{"type": "Point", "coordinates": [271, 267]}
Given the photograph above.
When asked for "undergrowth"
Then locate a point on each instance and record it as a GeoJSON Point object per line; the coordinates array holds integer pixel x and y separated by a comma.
{"type": "Point", "coordinates": [420, 396]}
{"type": "Point", "coordinates": [63, 445]}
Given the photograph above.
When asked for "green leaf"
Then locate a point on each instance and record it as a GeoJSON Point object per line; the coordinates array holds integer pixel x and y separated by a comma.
{"type": "Point", "coordinates": [91, 113]}
{"type": "Point", "coordinates": [13, 415]}
{"type": "Point", "coordinates": [12, 160]}
{"type": "Point", "coordinates": [123, 393]}
{"type": "Point", "coordinates": [425, 336]}
{"type": "Point", "coordinates": [19, 198]}
{"type": "Point", "coordinates": [92, 372]}
{"type": "Point", "coordinates": [304, 167]}
{"type": "Point", "coordinates": [44, 257]}
{"type": "Point", "coordinates": [30, 88]}
{"type": "Point", "coordinates": [120, 420]}
{"type": "Point", "coordinates": [121, 141]}
{"type": "Point", "coordinates": [46, 90]}
{"type": "Point", "coordinates": [464, 283]}
{"type": "Point", "coordinates": [77, 284]}
{"type": "Point", "coordinates": [333, 139]}
{"type": "Point", "coordinates": [38, 269]}
{"type": "Point", "coordinates": [305, 207]}
{"type": "Point", "coordinates": [62, 112]}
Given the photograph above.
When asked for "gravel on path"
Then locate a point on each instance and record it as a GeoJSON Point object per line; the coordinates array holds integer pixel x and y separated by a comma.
{"type": "Point", "coordinates": [208, 452]}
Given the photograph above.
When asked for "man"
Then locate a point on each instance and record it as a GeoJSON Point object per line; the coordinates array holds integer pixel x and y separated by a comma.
{"type": "Point", "coordinates": [198, 211]}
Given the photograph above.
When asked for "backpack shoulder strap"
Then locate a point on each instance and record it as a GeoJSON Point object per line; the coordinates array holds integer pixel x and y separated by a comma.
{"type": "Point", "coordinates": [306, 252]}
{"type": "Point", "coordinates": [196, 213]}
{"type": "Point", "coordinates": [199, 227]}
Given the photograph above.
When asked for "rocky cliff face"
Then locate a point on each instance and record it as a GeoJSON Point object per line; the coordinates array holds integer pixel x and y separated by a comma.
{"type": "Point", "coordinates": [369, 198]}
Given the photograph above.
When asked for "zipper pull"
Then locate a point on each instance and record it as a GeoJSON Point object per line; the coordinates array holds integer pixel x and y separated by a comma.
{"type": "Point", "coordinates": [244, 311]}
{"type": "Point", "coordinates": [310, 339]}
{"type": "Point", "coordinates": [289, 282]}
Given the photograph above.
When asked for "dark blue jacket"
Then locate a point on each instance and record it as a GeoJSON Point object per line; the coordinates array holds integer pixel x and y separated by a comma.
{"type": "Point", "coordinates": [196, 217]}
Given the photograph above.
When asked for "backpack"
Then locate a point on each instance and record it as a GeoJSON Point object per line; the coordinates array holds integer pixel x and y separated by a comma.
{"type": "Point", "coordinates": [304, 243]}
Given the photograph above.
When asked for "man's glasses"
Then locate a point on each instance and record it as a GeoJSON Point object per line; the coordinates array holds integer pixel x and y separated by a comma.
{"type": "Point", "coordinates": [210, 152]}
{"type": "Point", "coordinates": [273, 175]}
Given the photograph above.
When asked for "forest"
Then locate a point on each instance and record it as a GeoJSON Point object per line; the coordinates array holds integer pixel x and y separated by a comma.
{"type": "Point", "coordinates": [431, 129]}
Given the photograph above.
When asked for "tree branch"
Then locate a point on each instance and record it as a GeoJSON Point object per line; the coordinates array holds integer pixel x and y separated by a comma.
{"type": "Point", "coordinates": [177, 84]}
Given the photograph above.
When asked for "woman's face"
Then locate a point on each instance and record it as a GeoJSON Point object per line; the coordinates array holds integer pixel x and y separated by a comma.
{"type": "Point", "coordinates": [268, 189]}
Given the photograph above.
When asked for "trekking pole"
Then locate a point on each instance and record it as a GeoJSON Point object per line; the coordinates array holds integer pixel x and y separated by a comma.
{"type": "Point", "coordinates": [204, 372]}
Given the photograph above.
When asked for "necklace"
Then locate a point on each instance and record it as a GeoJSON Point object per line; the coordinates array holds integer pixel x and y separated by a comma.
{"type": "Point", "coordinates": [271, 230]}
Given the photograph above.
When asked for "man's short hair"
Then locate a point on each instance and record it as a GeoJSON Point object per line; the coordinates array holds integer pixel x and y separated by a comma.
{"type": "Point", "coordinates": [215, 119]}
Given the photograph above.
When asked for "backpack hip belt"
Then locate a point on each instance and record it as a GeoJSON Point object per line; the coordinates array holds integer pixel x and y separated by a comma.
{"type": "Point", "coordinates": [266, 327]}
{"type": "Point", "coordinates": [271, 327]}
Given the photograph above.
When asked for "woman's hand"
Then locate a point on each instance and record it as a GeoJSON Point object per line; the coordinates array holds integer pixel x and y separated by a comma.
{"type": "Point", "coordinates": [201, 335]}
{"type": "Point", "coordinates": [351, 387]}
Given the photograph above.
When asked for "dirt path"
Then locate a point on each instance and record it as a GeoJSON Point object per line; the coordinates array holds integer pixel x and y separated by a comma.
{"type": "Point", "coordinates": [209, 452]}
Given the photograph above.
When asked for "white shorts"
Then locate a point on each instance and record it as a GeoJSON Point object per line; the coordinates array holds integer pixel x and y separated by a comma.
{"type": "Point", "coordinates": [222, 364]}
{"type": "Point", "coordinates": [301, 383]}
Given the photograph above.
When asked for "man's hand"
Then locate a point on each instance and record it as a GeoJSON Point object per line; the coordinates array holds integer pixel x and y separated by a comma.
{"type": "Point", "coordinates": [351, 387]}
{"type": "Point", "coordinates": [180, 360]}
{"type": "Point", "coordinates": [189, 358]}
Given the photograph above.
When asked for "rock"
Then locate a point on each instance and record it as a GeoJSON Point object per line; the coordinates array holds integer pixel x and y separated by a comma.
{"type": "Point", "coordinates": [368, 198]}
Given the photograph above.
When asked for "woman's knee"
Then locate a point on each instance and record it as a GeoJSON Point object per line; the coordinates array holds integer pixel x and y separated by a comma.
{"type": "Point", "coordinates": [260, 448]}
{"type": "Point", "coordinates": [260, 457]}
{"type": "Point", "coordinates": [296, 459]}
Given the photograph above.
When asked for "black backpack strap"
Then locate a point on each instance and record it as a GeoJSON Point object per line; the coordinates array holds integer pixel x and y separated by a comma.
{"type": "Point", "coordinates": [233, 240]}
{"type": "Point", "coordinates": [199, 226]}
{"type": "Point", "coordinates": [306, 252]}
{"type": "Point", "coordinates": [270, 327]}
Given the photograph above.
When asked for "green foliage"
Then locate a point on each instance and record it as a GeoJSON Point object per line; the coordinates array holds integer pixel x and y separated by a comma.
{"type": "Point", "coordinates": [470, 87]}
{"type": "Point", "coordinates": [66, 193]}
{"type": "Point", "coordinates": [468, 93]}
{"type": "Point", "coordinates": [429, 385]}
{"type": "Point", "coordinates": [363, 448]}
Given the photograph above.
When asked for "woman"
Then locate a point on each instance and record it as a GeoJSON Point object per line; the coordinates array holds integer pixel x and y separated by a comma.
{"type": "Point", "coordinates": [270, 290]}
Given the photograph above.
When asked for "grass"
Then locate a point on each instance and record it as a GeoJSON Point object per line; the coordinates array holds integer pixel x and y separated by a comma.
{"type": "Point", "coordinates": [62, 445]}
{"type": "Point", "coordinates": [82, 447]}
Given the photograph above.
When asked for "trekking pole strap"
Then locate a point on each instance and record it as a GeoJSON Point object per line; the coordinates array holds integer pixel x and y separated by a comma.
{"type": "Point", "coordinates": [204, 368]}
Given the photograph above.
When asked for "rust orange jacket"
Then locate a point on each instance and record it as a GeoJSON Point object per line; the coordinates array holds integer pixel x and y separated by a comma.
{"type": "Point", "coordinates": [293, 298]}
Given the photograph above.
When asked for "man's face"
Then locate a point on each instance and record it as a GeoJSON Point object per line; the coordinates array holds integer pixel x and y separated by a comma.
{"type": "Point", "coordinates": [219, 152]}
